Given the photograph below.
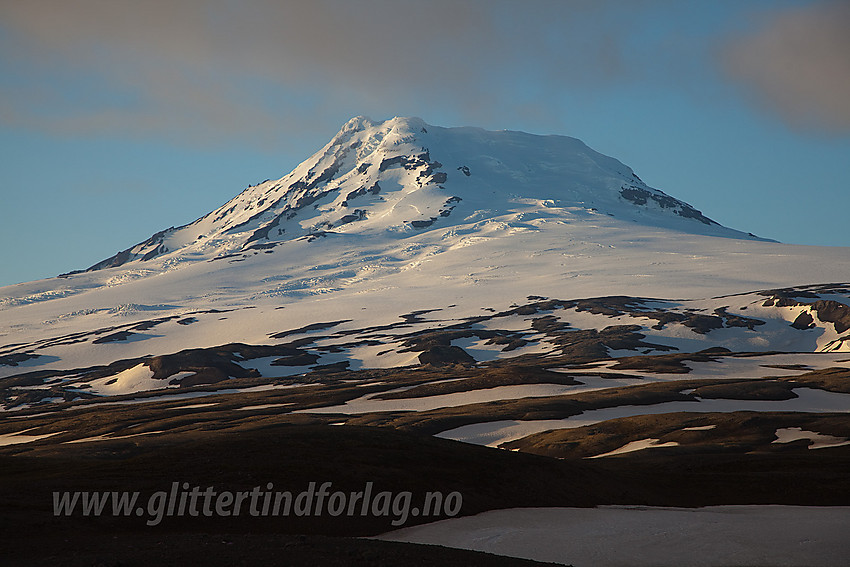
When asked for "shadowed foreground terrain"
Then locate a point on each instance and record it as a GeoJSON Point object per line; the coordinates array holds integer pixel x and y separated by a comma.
{"type": "Point", "coordinates": [291, 456]}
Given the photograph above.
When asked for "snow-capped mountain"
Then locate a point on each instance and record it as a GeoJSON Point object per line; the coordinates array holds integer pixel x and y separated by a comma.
{"type": "Point", "coordinates": [422, 286]}
{"type": "Point", "coordinates": [394, 220]}
{"type": "Point", "coordinates": [378, 179]}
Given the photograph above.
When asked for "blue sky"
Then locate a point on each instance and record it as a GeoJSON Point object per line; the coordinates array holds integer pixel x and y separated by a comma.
{"type": "Point", "coordinates": [119, 119]}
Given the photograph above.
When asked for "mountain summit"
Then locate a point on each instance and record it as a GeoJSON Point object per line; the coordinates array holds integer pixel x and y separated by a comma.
{"type": "Point", "coordinates": [402, 175]}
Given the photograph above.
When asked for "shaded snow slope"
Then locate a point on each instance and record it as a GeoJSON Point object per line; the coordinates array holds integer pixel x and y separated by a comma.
{"type": "Point", "coordinates": [618, 536]}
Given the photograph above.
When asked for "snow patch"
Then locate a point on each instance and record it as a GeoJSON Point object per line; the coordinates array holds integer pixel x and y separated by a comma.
{"type": "Point", "coordinates": [819, 441]}
{"type": "Point", "coordinates": [19, 437]}
{"type": "Point", "coordinates": [136, 379]}
{"type": "Point", "coordinates": [636, 446]}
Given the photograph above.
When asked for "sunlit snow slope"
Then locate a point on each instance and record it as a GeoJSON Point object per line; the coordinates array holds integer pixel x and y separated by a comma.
{"type": "Point", "coordinates": [398, 177]}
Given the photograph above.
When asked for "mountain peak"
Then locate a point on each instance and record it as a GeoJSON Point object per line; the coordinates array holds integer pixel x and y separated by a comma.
{"type": "Point", "coordinates": [401, 124]}
{"type": "Point", "coordinates": [403, 175]}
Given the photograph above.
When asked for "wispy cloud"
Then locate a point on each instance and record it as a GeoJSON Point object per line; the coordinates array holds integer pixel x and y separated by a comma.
{"type": "Point", "coordinates": [264, 71]}
{"type": "Point", "coordinates": [797, 62]}
{"type": "Point", "coordinates": [205, 70]}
